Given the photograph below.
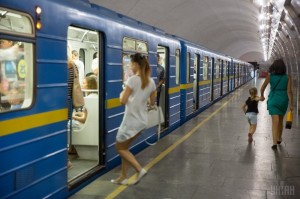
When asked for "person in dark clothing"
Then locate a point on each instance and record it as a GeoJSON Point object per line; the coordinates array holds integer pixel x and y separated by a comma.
{"type": "Point", "coordinates": [250, 108]}
{"type": "Point", "coordinates": [160, 79]}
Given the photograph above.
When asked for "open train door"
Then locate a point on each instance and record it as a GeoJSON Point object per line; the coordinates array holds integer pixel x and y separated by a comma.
{"type": "Point", "coordinates": [85, 137]}
{"type": "Point", "coordinates": [162, 82]}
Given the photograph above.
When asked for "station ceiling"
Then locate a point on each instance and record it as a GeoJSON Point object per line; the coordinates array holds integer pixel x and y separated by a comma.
{"type": "Point", "coordinates": [227, 26]}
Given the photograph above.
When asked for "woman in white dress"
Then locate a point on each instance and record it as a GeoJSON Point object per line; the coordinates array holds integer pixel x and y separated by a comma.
{"type": "Point", "coordinates": [139, 90]}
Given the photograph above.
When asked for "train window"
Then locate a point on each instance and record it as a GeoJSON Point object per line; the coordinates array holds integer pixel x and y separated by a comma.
{"type": "Point", "coordinates": [205, 67]}
{"type": "Point", "coordinates": [135, 45]}
{"type": "Point", "coordinates": [15, 23]}
{"type": "Point", "coordinates": [131, 46]}
{"type": "Point", "coordinates": [218, 69]}
{"type": "Point", "coordinates": [225, 68]}
{"type": "Point", "coordinates": [141, 47]}
{"type": "Point", "coordinates": [177, 65]}
{"type": "Point", "coordinates": [16, 75]}
{"type": "Point", "coordinates": [188, 56]}
{"type": "Point", "coordinates": [127, 72]}
{"type": "Point", "coordinates": [195, 67]}
{"type": "Point", "coordinates": [128, 44]}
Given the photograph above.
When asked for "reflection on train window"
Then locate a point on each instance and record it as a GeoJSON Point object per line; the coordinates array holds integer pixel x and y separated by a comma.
{"type": "Point", "coordinates": [16, 75]}
{"type": "Point", "coordinates": [127, 72]}
{"type": "Point", "coordinates": [177, 65]}
{"type": "Point", "coordinates": [205, 68]}
{"type": "Point", "coordinates": [218, 69]}
{"type": "Point", "coordinates": [15, 23]}
{"type": "Point", "coordinates": [135, 45]}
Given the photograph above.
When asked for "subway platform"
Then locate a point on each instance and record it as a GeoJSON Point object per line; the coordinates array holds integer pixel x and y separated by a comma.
{"type": "Point", "coordinates": [209, 157]}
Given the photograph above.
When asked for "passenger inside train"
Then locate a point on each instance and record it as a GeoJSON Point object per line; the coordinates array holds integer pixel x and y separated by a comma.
{"type": "Point", "coordinates": [89, 87]}
{"type": "Point", "coordinates": [12, 74]}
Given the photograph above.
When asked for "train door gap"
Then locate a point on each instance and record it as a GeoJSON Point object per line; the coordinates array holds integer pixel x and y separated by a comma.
{"type": "Point", "coordinates": [85, 136]}
{"type": "Point", "coordinates": [162, 82]}
{"type": "Point", "coordinates": [195, 82]}
{"type": "Point", "coordinates": [212, 76]}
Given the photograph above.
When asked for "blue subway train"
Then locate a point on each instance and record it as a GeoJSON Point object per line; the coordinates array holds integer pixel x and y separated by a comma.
{"type": "Point", "coordinates": [36, 38]}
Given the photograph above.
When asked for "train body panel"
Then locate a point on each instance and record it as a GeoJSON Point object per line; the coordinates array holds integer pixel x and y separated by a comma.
{"type": "Point", "coordinates": [38, 132]}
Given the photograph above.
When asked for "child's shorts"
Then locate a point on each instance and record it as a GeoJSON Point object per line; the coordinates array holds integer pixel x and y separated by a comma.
{"type": "Point", "coordinates": [252, 118]}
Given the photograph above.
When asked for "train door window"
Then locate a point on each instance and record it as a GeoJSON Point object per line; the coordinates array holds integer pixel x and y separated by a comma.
{"type": "Point", "coordinates": [195, 82]}
{"type": "Point", "coordinates": [188, 56]}
{"type": "Point", "coordinates": [131, 46]}
{"type": "Point", "coordinates": [84, 132]}
{"type": "Point", "coordinates": [218, 69]}
{"type": "Point", "coordinates": [212, 76]}
{"type": "Point", "coordinates": [16, 61]}
{"type": "Point", "coordinates": [225, 69]}
{"type": "Point", "coordinates": [161, 71]}
{"type": "Point", "coordinates": [177, 66]}
{"type": "Point", "coordinates": [205, 67]}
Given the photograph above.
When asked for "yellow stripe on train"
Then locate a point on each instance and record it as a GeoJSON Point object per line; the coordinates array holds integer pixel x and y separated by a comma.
{"type": "Point", "coordinates": [115, 102]}
{"type": "Point", "coordinates": [28, 122]}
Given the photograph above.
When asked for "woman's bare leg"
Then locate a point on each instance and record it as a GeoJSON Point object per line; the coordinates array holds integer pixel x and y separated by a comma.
{"type": "Point", "coordinates": [275, 125]}
{"type": "Point", "coordinates": [127, 157]}
{"type": "Point", "coordinates": [280, 127]}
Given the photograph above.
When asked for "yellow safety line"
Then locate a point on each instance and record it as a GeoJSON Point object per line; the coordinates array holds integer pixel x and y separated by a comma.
{"type": "Point", "coordinates": [32, 121]}
{"type": "Point", "coordinates": [121, 188]}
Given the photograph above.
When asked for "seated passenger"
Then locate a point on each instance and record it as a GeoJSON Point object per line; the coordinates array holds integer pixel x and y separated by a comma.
{"type": "Point", "coordinates": [79, 117]}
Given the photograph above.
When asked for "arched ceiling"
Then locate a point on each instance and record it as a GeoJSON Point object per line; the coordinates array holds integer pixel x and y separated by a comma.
{"type": "Point", "coordinates": [227, 26]}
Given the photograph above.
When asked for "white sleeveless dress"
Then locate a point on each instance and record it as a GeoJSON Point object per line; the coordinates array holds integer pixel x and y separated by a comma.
{"type": "Point", "coordinates": [135, 117]}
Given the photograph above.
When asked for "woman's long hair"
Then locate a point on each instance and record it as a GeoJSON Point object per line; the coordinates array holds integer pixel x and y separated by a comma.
{"type": "Point", "coordinates": [278, 67]}
{"type": "Point", "coordinates": [144, 68]}
{"type": "Point", "coordinates": [91, 83]}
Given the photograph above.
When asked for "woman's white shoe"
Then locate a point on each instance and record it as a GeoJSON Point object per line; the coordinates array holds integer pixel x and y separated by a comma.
{"type": "Point", "coordinates": [123, 182]}
{"type": "Point", "coordinates": [142, 173]}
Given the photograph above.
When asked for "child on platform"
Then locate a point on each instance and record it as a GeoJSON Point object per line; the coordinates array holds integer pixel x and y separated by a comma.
{"type": "Point", "coordinates": [250, 108]}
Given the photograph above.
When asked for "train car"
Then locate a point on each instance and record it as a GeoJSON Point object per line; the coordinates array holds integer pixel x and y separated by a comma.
{"type": "Point", "coordinates": [35, 126]}
{"type": "Point", "coordinates": [204, 78]}
{"type": "Point", "coordinates": [87, 29]}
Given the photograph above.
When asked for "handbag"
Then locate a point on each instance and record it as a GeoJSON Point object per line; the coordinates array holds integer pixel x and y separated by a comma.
{"type": "Point", "coordinates": [289, 120]}
{"type": "Point", "coordinates": [155, 116]}
{"type": "Point", "coordinates": [77, 95]}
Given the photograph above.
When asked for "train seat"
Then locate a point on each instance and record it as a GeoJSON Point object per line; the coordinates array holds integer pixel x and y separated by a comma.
{"type": "Point", "coordinates": [86, 139]}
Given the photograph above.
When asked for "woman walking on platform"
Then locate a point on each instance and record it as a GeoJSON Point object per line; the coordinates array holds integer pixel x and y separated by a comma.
{"type": "Point", "coordinates": [279, 99]}
{"type": "Point", "coordinates": [138, 89]}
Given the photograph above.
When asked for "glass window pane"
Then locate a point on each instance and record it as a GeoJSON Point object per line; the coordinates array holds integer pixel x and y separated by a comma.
{"type": "Point", "coordinates": [13, 22]}
{"type": "Point", "coordinates": [141, 47]}
{"type": "Point", "coordinates": [218, 69]}
{"type": "Point", "coordinates": [224, 68]}
{"type": "Point", "coordinates": [128, 44]}
{"type": "Point", "coordinates": [205, 68]}
{"type": "Point", "coordinates": [188, 68]}
{"type": "Point", "coordinates": [16, 75]}
{"type": "Point", "coordinates": [177, 65]}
